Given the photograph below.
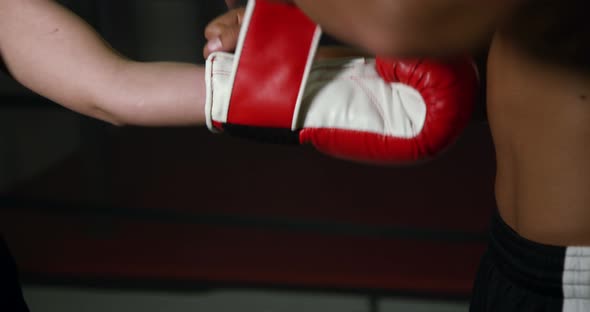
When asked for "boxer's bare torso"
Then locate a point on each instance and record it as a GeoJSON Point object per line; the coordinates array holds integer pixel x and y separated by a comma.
{"type": "Point", "coordinates": [539, 114]}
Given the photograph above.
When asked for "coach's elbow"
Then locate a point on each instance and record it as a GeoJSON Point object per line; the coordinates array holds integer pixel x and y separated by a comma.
{"type": "Point", "coordinates": [386, 42]}
{"type": "Point", "coordinates": [402, 37]}
{"type": "Point", "coordinates": [100, 111]}
{"type": "Point", "coordinates": [106, 106]}
{"type": "Point", "coordinates": [115, 121]}
{"type": "Point", "coordinates": [410, 34]}
{"type": "Point", "coordinates": [387, 37]}
{"type": "Point", "coordinates": [416, 43]}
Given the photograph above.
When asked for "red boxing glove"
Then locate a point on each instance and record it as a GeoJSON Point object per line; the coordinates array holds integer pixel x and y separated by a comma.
{"type": "Point", "coordinates": [376, 111]}
{"type": "Point", "coordinates": [448, 90]}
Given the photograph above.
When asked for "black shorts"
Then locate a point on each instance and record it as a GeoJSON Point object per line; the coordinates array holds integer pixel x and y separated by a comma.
{"type": "Point", "coordinates": [517, 274]}
{"type": "Point", "coordinates": [11, 297]}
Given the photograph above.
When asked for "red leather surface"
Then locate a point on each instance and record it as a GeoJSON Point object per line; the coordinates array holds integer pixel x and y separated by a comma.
{"type": "Point", "coordinates": [449, 90]}
{"type": "Point", "coordinates": [271, 66]}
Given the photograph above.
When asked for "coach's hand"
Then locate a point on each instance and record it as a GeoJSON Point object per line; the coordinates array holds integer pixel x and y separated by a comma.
{"type": "Point", "coordinates": [222, 33]}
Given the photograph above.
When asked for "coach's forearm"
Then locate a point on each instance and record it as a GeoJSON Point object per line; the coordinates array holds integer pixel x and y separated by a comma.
{"type": "Point", "coordinates": [155, 94]}
{"type": "Point", "coordinates": [56, 54]}
{"type": "Point", "coordinates": [409, 27]}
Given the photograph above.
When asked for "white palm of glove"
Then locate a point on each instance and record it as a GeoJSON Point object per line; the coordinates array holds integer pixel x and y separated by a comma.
{"type": "Point", "coordinates": [343, 94]}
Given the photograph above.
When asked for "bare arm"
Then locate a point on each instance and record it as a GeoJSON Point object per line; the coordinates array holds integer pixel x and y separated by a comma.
{"type": "Point", "coordinates": [409, 27]}
{"type": "Point", "coordinates": [57, 55]}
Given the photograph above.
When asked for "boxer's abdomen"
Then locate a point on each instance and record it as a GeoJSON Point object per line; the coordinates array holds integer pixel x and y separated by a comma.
{"type": "Point", "coordinates": [540, 119]}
